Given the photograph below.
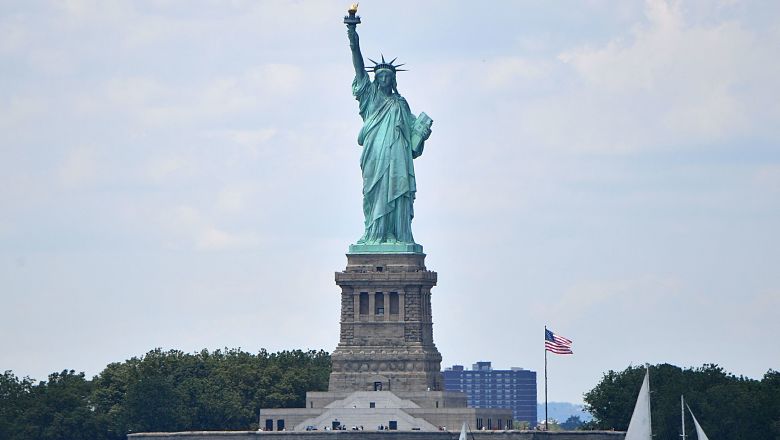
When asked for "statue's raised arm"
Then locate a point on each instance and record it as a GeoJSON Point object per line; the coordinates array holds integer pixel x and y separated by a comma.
{"type": "Point", "coordinates": [354, 44]}
{"type": "Point", "coordinates": [354, 40]}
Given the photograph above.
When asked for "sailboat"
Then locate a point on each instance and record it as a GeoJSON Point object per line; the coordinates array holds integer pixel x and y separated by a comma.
{"type": "Point", "coordinates": [699, 431]}
{"type": "Point", "coordinates": [639, 427]}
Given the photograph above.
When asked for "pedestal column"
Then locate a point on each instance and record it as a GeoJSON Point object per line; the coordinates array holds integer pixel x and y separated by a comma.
{"type": "Point", "coordinates": [394, 352]}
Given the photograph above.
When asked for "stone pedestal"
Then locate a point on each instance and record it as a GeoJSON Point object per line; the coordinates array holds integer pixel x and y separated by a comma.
{"type": "Point", "coordinates": [386, 340]}
{"type": "Point", "coordinates": [386, 371]}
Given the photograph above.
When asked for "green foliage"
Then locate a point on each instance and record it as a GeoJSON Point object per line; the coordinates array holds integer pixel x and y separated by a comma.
{"type": "Point", "coordinates": [727, 406]}
{"type": "Point", "coordinates": [160, 391]}
{"type": "Point", "coordinates": [572, 423]}
{"type": "Point", "coordinates": [521, 425]}
{"type": "Point", "coordinates": [57, 409]}
{"type": "Point", "coordinates": [769, 399]}
{"type": "Point", "coordinates": [14, 402]}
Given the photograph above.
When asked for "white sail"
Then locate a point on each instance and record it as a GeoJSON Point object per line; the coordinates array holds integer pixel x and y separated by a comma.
{"type": "Point", "coordinates": [639, 426]}
{"type": "Point", "coordinates": [699, 432]}
{"type": "Point", "coordinates": [463, 432]}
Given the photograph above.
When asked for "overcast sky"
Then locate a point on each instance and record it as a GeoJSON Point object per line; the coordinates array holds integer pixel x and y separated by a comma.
{"type": "Point", "coordinates": [185, 174]}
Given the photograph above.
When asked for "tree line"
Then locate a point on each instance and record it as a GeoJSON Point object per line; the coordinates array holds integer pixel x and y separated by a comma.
{"type": "Point", "coordinates": [160, 391]}
{"type": "Point", "coordinates": [225, 389]}
{"type": "Point", "coordinates": [727, 406]}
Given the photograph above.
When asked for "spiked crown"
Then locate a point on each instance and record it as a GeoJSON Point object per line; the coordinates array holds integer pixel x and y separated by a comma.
{"type": "Point", "coordinates": [385, 65]}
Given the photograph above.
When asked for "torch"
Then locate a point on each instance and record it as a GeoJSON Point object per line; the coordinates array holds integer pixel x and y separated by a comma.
{"type": "Point", "coordinates": [352, 19]}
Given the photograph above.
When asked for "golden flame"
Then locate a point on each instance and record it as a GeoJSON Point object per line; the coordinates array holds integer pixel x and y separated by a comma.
{"type": "Point", "coordinates": [353, 8]}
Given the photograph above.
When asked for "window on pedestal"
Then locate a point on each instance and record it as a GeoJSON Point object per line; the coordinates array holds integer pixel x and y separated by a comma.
{"type": "Point", "coordinates": [379, 303]}
{"type": "Point", "coordinates": [364, 303]}
{"type": "Point", "coordinates": [393, 303]}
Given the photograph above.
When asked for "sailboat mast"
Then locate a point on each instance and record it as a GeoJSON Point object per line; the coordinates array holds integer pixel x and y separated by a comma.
{"type": "Point", "coordinates": [682, 415]}
{"type": "Point", "coordinates": [649, 413]}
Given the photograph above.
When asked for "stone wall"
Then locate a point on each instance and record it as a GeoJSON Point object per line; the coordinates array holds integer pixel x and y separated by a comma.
{"type": "Point", "coordinates": [379, 435]}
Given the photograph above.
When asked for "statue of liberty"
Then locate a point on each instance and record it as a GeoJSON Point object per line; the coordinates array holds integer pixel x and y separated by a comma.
{"type": "Point", "coordinates": [391, 138]}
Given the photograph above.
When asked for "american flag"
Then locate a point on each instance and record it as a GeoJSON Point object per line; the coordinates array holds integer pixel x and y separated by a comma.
{"type": "Point", "coordinates": [556, 344]}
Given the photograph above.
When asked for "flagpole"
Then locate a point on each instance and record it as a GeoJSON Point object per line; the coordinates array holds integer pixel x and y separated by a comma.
{"type": "Point", "coordinates": [546, 420]}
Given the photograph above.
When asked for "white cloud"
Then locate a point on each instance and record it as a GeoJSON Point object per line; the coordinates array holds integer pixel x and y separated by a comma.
{"type": "Point", "coordinates": [759, 310]}
{"type": "Point", "coordinates": [215, 239]}
{"type": "Point", "coordinates": [234, 198]}
{"type": "Point", "coordinates": [767, 178]}
{"type": "Point", "coordinates": [276, 78]}
{"type": "Point", "coordinates": [94, 10]}
{"type": "Point", "coordinates": [648, 294]}
{"type": "Point", "coordinates": [144, 31]}
{"type": "Point", "coordinates": [161, 168]}
{"type": "Point", "coordinates": [51, 62]}
{"type": "Point", "coordinates": [187, 227]}
{"type": "Point", "coordinates": [80, 167]}
{"type": "Point", "coordinates": [505, 72]}
{"type": "Point", "coordinates": [14, 35]}
{"type": "Point", "coordinates": [668, 83]}
{"type": "Point", "coordinates": [20, 110]}
{"type": "Point", "coordinates": [156, 103]}
{"type": "Point", "coordinates": [5, 229]}
{"type": "Point", "coordinates": [258, 85]}
{"type": "Point", "coordinates": [133, 91]}
{"type": "Point", "coordinates": [252, 140]}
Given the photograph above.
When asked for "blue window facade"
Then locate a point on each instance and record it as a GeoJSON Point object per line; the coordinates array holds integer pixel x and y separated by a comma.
{"type": "Point", "coordinates": [489, 388]}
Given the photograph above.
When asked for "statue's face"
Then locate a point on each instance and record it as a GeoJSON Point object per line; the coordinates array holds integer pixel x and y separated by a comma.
{"type": "Point", "coordinates": [384, 78]}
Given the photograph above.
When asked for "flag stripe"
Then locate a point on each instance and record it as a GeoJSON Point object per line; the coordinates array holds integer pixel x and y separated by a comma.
{"type": "Point", "coordinates": [557, 349]}
{"type": "Point", "coordinates": [557, 344]}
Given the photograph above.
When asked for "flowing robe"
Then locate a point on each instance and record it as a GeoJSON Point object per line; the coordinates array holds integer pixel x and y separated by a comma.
{"type": "Point", "coordinates": [386, 163]}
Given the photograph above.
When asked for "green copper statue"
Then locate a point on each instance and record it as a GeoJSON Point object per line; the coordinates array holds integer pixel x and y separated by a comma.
{"type": "Point", "coordinates": [391, 137]}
